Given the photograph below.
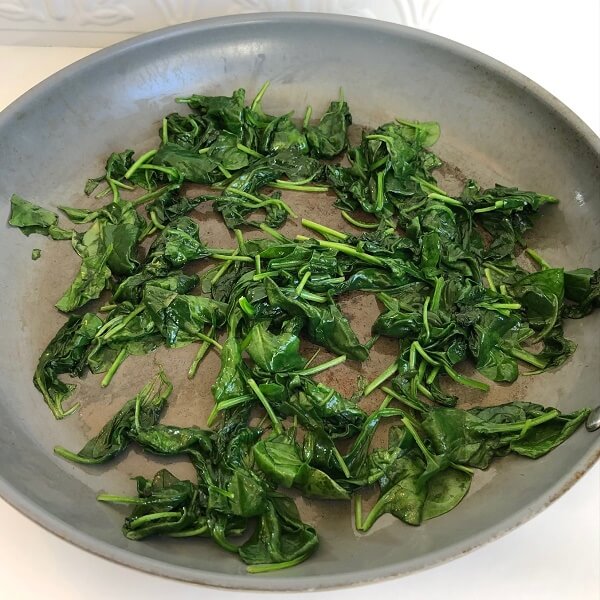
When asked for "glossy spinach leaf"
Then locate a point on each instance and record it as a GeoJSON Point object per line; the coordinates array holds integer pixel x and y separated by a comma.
{"type": "Point", "coordinates": [140, 412]}
{"type": "Point", "coordinates": [66, 353]}
{"type": "Point", "coordinates": [31, 218]}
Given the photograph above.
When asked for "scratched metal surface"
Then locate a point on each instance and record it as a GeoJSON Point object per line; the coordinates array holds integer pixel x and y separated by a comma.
{"type": "Point", "coordinates": [496, 127]}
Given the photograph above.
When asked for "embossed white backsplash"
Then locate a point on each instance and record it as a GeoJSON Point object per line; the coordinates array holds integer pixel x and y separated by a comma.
{"type": "Point", "coordinates": [96, 23]}
{"type": "Point", "coordinates": [535, 36]}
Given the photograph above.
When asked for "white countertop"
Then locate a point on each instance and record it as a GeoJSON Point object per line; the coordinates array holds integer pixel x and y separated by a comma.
{"type": "Point", "coordinates": [556, 555]}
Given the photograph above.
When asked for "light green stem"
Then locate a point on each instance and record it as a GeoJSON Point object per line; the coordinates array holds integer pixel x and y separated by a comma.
{"type": "Point", "coordinates": [381, 378]}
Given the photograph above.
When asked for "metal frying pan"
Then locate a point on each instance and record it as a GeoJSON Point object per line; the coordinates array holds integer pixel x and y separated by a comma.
{"type": "Point", "coordinates": [497, 126]}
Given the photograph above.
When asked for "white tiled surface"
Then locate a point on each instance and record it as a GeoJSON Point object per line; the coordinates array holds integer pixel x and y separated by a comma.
{"type": "Point", "coordinates": [554, 556]}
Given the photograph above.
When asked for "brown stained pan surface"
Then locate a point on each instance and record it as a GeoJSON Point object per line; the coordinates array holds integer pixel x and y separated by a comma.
{"type": "Point", "coordinates": [496, 127]}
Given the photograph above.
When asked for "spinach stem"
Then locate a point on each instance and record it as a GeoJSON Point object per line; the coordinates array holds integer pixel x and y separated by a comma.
{"type": "Point", "coordinates": [137, 523]}
{"type": "Point", "coordinates": [437, 293]}
{"type": "Point", "coordinates": [114, 188]}
{"type": "Point", "coordinates": [409, 425]}
{"type": "Point", "coordinates": [190, 532]}
{"type": "Point", "coordinates": [381, 138]}
{"type": "Point", "coordinates": [381, 378]}
{"type": "Point", "coordinates": [307, 116]}
{"type": "Point", "coordinates": [152, 195]}
{"type": "Point", "coordinates": [412, 358]}
{"type": "Point", "coordinates": [352, 251]}
{"type": "Point", "coordinates": [124, 322]}
{"type": "Point", "coordinates": [357, 223]}
{"type": "Point", "coordinates": [155, 220]}
{"type": "Point", "coordinates": [303, 282]}
{"type": "Point", "coordinates": [289, 185]}
{"type": "Point", "coordinates": [113, 368]}
{"type": "Point", "coordinates": [139, 162]}
{"type": "Point", "coordinates": [108, 324]}
{"type": "Point", "coordinates": [259, 96]}
{"type": "Point", "coordinates": [445, 199]}
{"type": "Point", "coordinates": [528, 357]}
{"type": "Point", "coordinates": [429, 186]}
{"type": "Point", "coordinates": [224, 268]}
{"type": "Point", "coordinates": [249, 151]}
{"type": "Point", "coordinates": [240, 241]}
{"type": "Point", "coordinates": [539, 261]}
{"type": "Point", "coordinates": [277, 428]}
{"type": "Point", "coordinates": [209, 340]}
{"type": "Point", "coordinates": [120, 499]}
{"type": "Point", "coordinates": [161, 169]}
{"type": "Point", "coordinates": [225, 404]}
{"type": "Point", "coordinates": [165, 131]}
{"type": "Point", "coordinates": [410, 402]}
{"type": "Point", "coordinates": [340, 461]}
{"type": "Point", "coordinates": [421, 371]}
{"type": "Point", "coordinates": [424, 354]}
{"type": "Point", "coordinates": [257, 264]}
{"type": "Point", "coordinates": [223, 170]}
{"type": "Point", "coordinates": [357, 511]}
{"type": "Point", "coordinates": [122, 185]}
{"type": "Point", "coordinates": [478, 385]}
{"type": "Point", "coordinates": [505, 306]}
{"type": "Point", "coordinates": [490, 280]}
{"type": "Point", "coordinates": [380, 192]}
{"type": "Point", "coordinates": [150, 232]}
{"type": "Point", "coordinates": [265, 274]}
{"type": "Point", "coordinates": [432, 375]}
{"type": "Point", "coordinates": [486, 209]}
{"type": "Point", "coordinates": [246, 306]}
{"type": "Point", "coordinates": [312, 358]}
{"type": "Point", "coordinates": [522, 426]}
{"type": "Point", "coordinates": [492, 267]}
{"type": "Point", "coordinates": [260, 202]}
{"type": "Point", "coordinates": [313, 297]}
{"type": "Point", "coordinates": [273, 232]}
{"type": "Point", "coordinates": [73, 456]}
{"type": "Point", "coordinates": [338, 360]}
{"type": "Point", "coordinates": [324, 230]}
{"type": "Point", "coordinates": [426, 318]}
{"type": "Point", "coordinates": [266, 568]}
{"type": "Point", "coordinates": [378, 163]}
{"type": "Point", "coordinates": [374, 512]}
{"type": "Point", "coordinates": [424, 390]}
{"type": "Point", "coordinates": [232, 257]}
{"type": "Point", "coordinates": [202, 351]}
{"type": "Point", "coordinates": [296, 181]}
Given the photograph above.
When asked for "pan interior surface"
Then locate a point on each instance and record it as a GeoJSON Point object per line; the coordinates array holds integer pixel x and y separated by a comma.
{"type": "Point", "coordinates": [496, 127]}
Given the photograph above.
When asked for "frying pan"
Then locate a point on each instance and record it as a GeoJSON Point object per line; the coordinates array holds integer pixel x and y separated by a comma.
{"type": "Point", "coordinates": [497, 126]}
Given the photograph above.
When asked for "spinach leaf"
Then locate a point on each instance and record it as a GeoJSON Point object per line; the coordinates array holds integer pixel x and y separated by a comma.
{"type": "Point", "coordinates": [165, 505]}
{"type": "Point", "coordinates": [325, 325]}
{"type": "Point", "coordinates": [281, 539]}
{"type": "Point", "coordinates": [140, 412]}
{"type": "Point", "coordinates": [181, 319]}
{"type": "Point", "coordinates": [280, 459]}
{"type": "Point", "coordinates": [582, 286]}
{"type": "Point", "coordinates": [89, 283]}
{"type": "Point", "coordinates": [542, 439]}
{"type": "Point", "coordinates": [66, 353]}
{"type": "Point", "coordinates": [30, 218]}
{"type": "Point", "coordinates": [274, 353]}
{"type": "Point", "coordinates": [329, 137]}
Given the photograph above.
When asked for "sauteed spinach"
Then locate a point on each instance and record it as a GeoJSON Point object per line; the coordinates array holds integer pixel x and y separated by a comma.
{"type": "Point", "coordinates": [445, 270]}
